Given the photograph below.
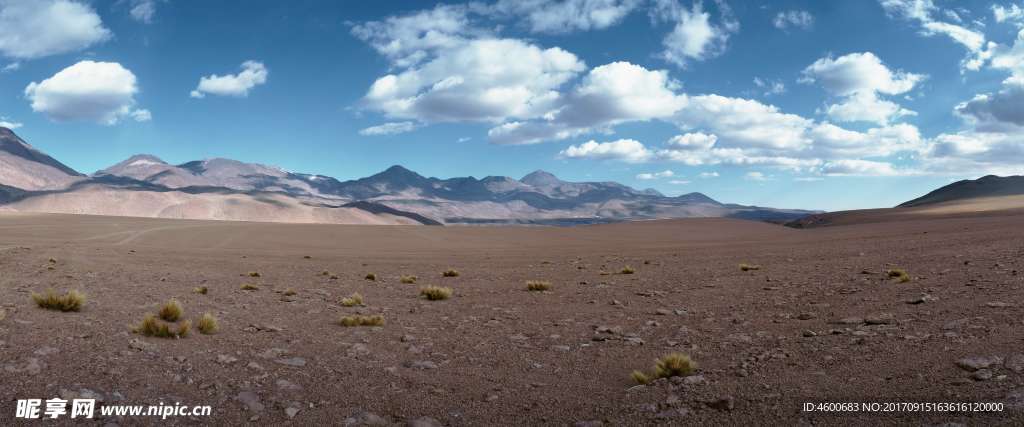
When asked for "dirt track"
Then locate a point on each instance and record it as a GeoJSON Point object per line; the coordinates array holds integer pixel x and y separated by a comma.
{"type": "Point", "coordinates": [494, 354]}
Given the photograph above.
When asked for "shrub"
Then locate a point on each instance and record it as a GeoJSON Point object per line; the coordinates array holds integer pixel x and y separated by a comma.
{"type": "Point", "coordinates": [371, 277]}
{"type": "Point", "coordinates": [627, 270]}
{"type": "Point", "coordinates": [409, 279]}
{"type": "Point", "coordinates": [674, 365]}
{"type": "Point", "coordinates": [249, 287]}
{"type": "Point", "coordinates": [71, 301]}
{"type": "Point", "coordinates": [640, 377]}
{"type": "Point", "coordinates": [325, 273]}
{"type": "Point", "coordinates": [255, 274]}
{"type": "Point", "coordinates": [153, 327]}
{"type": "Point", "coordinates": [436, 293]}
{"type": "Point", "coordinates": [451, 272]}
{"type": "Point", "coordinates": [537, 285]}
{"type": "Point", "coordinates": [171, 311]}
{"type": "Point", "coordinates": [289, 292]}
{"type": "Point", "coordinates": [207, 324]}
{"type": "Point", "coordinates": [352, 301]}
{"type": "Point", "coordinates": [749, 267]}
{"type": "Point", "coordinates": [376, 320]}
{"type": "Point", "coordinates": [900, 275]}
{"type": "Point", "coordinates": [202, 290]}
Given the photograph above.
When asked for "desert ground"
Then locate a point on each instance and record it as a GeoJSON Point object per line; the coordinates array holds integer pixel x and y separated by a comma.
{"type": "Point", "coordinates": [818, 321]}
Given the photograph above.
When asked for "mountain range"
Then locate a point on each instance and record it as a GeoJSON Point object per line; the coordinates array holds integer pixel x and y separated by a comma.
{"type": "Point", "coordinates": [146, 186]}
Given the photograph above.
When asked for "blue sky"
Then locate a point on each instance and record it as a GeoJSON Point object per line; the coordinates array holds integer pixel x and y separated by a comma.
{"type": "Point", "coordinates": [810, 104]}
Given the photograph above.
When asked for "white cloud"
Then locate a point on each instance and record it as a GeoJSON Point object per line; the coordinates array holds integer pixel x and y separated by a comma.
{"type": "Point", "coordinates": [694, 37]}
{"type": "Point", "coordinates": [626, 150]}
{"type": "Point", "coordinates": [563, 16]}
{"type": "Point", "coordinates": [7, 123]}
{"type": "Point", "coordinates": [14, 66]}
{"type": "Point", "coordinates": [770, 87]}
{"type": "Point", "coordinates": [103, 92]}
{"type": "Point", "coordinates": [409, 39]}
{"type": "Point", "coordinates": [253, 74]}
{"type": "Point", "coordinates": [1009, 13]}
{"type": "Point", "coordinates": [793, 18]}
{"type": "Point", "coordinates": [756, 176]}
{"type": "Point", "coordinates": [707, 175]}
{"type": "Point", "coordinates": [32, 29]}
{"type": "Point", "coordinates": [143, 10]}
{"type": "Point", "coordinates": [481, 80]}
{"type": "Point", "coordinates": [858, 168]}
{"type": "Point", "coordinates": [679, 182]}
{"type": "Point", "coordinates": [393, 128]}
{"type": "Point", "coordinates": [655, 175]}
{"type": "Point", "coordinates": [922, 11]}
{"type": "Point", "coordinates": [859, 78]}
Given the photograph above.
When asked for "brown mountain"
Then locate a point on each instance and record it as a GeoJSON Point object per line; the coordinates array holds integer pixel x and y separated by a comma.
{"type": "Point", "coordinates": [986, 186]}
{"type": "Point", "coordinates": [23, 167]}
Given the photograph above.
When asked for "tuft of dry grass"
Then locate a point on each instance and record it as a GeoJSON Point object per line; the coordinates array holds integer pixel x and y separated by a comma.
{"type": "Point", "coordinates": [153, 327]}
{"type": "Point", "coordinates": [171, 311]}
{"type": "Point", "coordinates": [201, 290]}
{"type": "Point", "coordinates": [627, 270]}
{"type": "Point", "coordinates": [53, 261]}
{"type": "Point", "coordinates": [409, 279]}
{"type": "Point", "coordinates": [289, 292]}
{"type": "Point", "coordinates": [640, 377]}
{"type": "Point", "coordinates": [451, 272]}
{"type": "Point", "coordinates": [325, 273]}
{"type": "Point", "coordinates": [352, 300]}
{"type": "Point", "coordinates": [71, 300]}
{"type": "Point", "coordinates": [3, 314]}
{"type": "Point", "coordinates": [307, 257]}
{"type": "Point", "coordinates": [749, 267]}
{"type": "Point", "coordinates": [255, 274]}
{"type": "Point", "coordinates": [207, 324]}
{"type": "Point", "coordinates": [371, 277]}
{"type": "Point", "coordinates": [674, 365]}
{"type": "Point", "coordinates": [375, 320]}
{"type": "Point", "coordinates": [436, 293]}
{"type": "Point", "coordinates": [249, 287]}
{"type": "Point", "coordinates": [537, 285]}
{"type": "Point", "coordinates": [900, 275]}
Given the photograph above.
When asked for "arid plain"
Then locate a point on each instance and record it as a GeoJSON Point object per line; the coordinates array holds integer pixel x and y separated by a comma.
{"type": "Point", "coordinates": [818, 321]}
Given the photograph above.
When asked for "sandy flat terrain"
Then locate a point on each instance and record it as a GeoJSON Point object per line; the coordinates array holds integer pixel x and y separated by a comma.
{"type": "Point", "coordinates": [494, 354]}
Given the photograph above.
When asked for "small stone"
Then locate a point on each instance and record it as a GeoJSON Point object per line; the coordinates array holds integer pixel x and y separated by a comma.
{"type": "Point", "coordinates": [1015, 363]}
{"type": "Point", "coordinates": [291, 412]}
{"type": "Point", "coordinates": [421, 364]}
{"type": "Point", "coordinates": [849, 321]}
{"type": "Point", "coordinates": [978, 362]}
{"type": "Point", "coordinates": [998, 304]}
{"type": "Point", "coordinates": [224, 359]}
{"type": "Point", "coordinates": [293, 361]}
{"type": "Point", "coordinates": [982, 375]}
{"type": "Point", "coordinates": [272, 353]}
{"type": "Point", "coordinates": [879, 319]}
{"type": "Point", "coordinates": [562, 348]}
{"type": "Point", "coordinates": [424, 422]}
{"type": "Point", "coordinates": [921, 299]}
{"type": "Point", "coordinates": [726, 403]}
{"type": "Point", "coordinates": [694, 380]}
{"type": "Point", "coordinates": [662, 312]}
{"type": "Point", "coordinates": [364, 418]}
{"type": "Point", "coordinates": [408, 338]}
{"type": "Point", "coordinates": [805, 316]}
{"type": "Point", "coordinates": [284, 384]}
{"type": "Point", "coordinates": [250, 400]}
{"type": "Point", "coordinates": [809, 334]}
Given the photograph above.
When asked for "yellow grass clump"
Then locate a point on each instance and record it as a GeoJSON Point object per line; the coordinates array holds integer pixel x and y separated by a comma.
{"type": "Point", "coordinates": [674, 365]}
{"type": "Point", "coordinates": [249, 287]}
{"type": "Point", "coordinates": [436, 293]}
{"type": "Point", "coordinates": [640, 377]}
{"type": "Point", "coordinates": [627, 270]}
{"type": "Point", "coordinates": [409, 279]}
{"type": "Point", "coordinates": [749, 267]}
{"type": "Point", "coordinates": [289, 292]}
{"type": "Point", "coordinates": [201, 290]}
{"type": "Point", "coordinates": [70, 301]}
{"type": "Point", "coordinates": [900, 275]}
{"type": "Point", "coordinates": [451, 272]}
{"type": "Point", "coordinates": [375, 320]}
{"type": "Point", "coordinates": [255, 274]}
{"type": "Point", "coordinates": [537, 285]}
{"type": "Point", "coordinates": [353, 300]}
{"type": "Point", "coordinates": [207, 324]}
{"type": "Point", "coordinates": [171, 311]}
{"type": "Point", "coordinates": [371, 277]}
{"type": "Point", "coordinates": [153, 327]}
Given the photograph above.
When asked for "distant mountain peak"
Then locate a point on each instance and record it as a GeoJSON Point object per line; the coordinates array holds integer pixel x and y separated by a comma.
{"type": "Point", "coordinates": [986, 186]}
{"type": "Point", "coordinates": [12, 144]}
{"type": "Point", "coordinates": [540, 178]}
{"type": "Point", "coordinates": [144, 159]}
{"type": "Point", "coordinates": [696, 197]}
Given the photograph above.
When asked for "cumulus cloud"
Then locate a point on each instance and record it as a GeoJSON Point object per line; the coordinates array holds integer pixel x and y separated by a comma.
{"type": "Point", "coordinates": [102, 92]}
{"type": "Point", "coordinates": [793, 19]}
{"type": "Point", "coordinates": [143, 10]}
{"type": "Point", "coordinates": [923, 13]}
{"type": "Point", "coordinates": [626, 150]}
{"type": "Point", "coordinates": [770, 88]}
{"type": "Point", "coordinates": [755, 176]}
{"type": "Point", "coordinates": [707, 175]}
{"type": "Point", "coordinates": [562, 16]}
{"type": "Point", "coordinates": [32, 29]}
{"type": "Point", "coordinates": [481, 80]}
{"type": "Point", "coordinates": [694, 37]}
{"type": "Point", "coordinates": [393, 128]}
{"type": "Point", "coordinates": [655, 175]}
{"type": "Point", "coordinates": [858, 79]}
{"type": "Point", "coordinates": [14, 66]}
{"type": "Point", "coordinates": [858, 168]}
{"type": "Point", "coordinates": [407, 40]}
{"type": "Point", "coordinates": [253, 74]}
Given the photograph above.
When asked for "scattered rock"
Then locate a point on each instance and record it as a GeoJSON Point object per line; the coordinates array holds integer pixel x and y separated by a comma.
{"type": "Point", "coordinates": [921, 299]}
{"type": "Point", "coordinates": [424, 422]}
{"type": "Point", "coordinates": [250, 400]}
{"type": "Point", "coordinates": [224, 359]}
{"type": "Point", "coordinates": [363, 418]}
{"type": "Point", "coordinates": [421, 364]}
{"type": "Point", "coordinates": [978, 362]}
{"type": "Point", "coordinates": [998, 304]}
{"type": "Point", "coordinates": [726, 403]}
{"type": "Point", "coordinates": [1015, 363]}
{"type": "Point", "coordinates": [662, 312]}
{"type": "Point", "coordinates": [879, 319]}
{"type": "Point", "coordinates": [284, 384]}
{"type": "Point", "coordinates": [140, 345]}
{"type": "Point", "coordinates": [805, 316]}
{"type": "Point", "coordinates": [293, 361]}
{"type": "Point", "coordinates": [272, 353]}
{"type": "Point", "coordinates": [849, 321]}
{"type": "Point", "coordinates": [982, 375]}
{"type": "Point", "coordinates": [291, 412]}
{"type": "Point", "coordinates": [809, 334]}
